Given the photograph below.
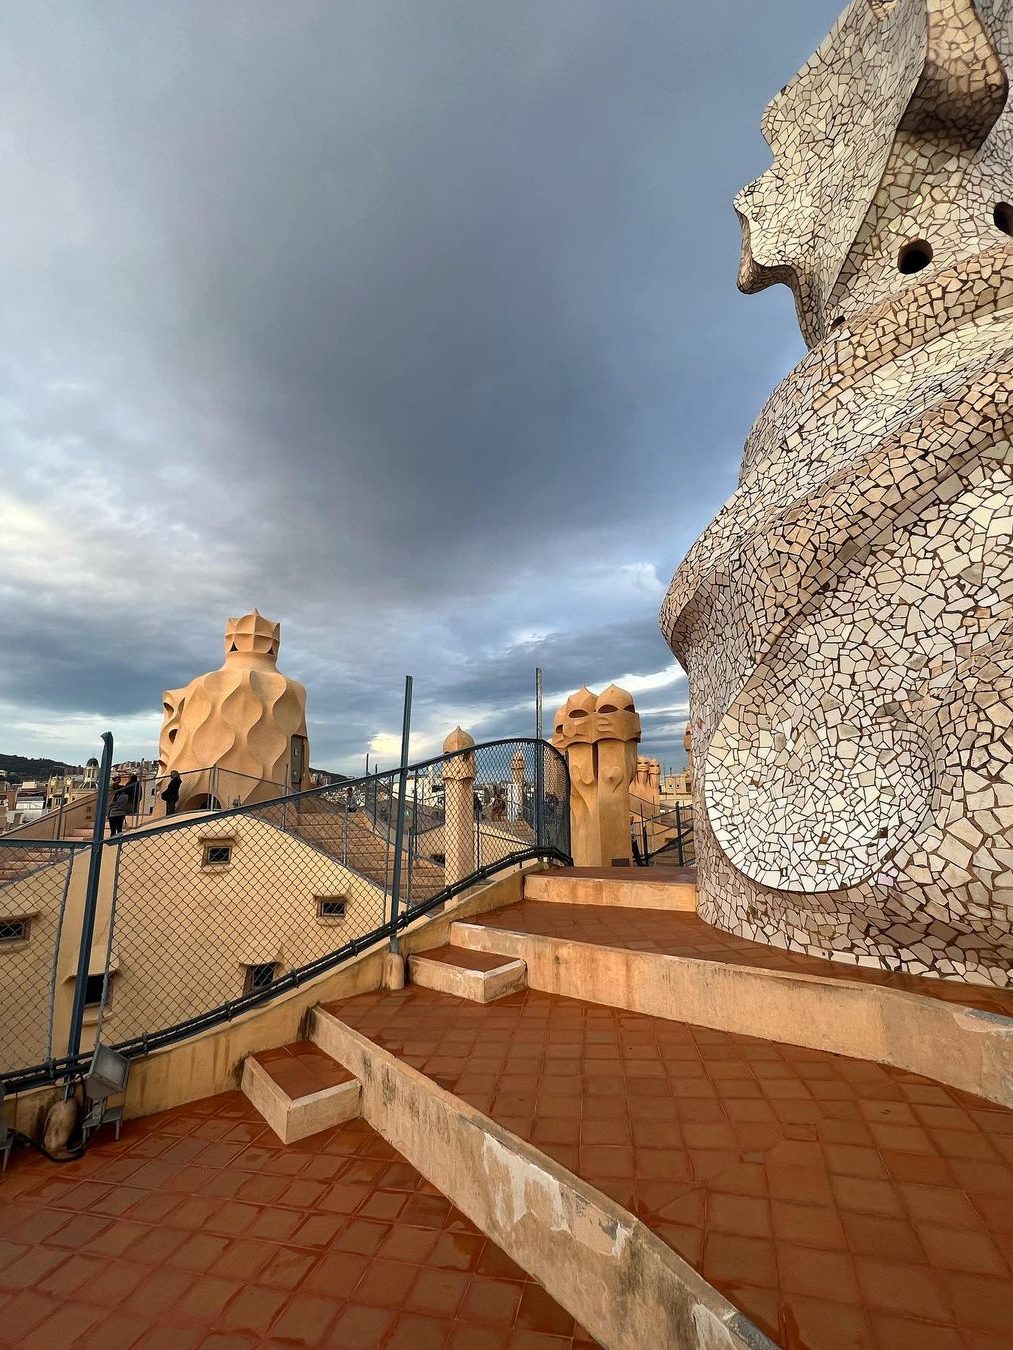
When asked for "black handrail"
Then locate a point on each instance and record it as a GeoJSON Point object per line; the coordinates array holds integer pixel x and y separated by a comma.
{"type": "Point", "coordinates": [551, 843]}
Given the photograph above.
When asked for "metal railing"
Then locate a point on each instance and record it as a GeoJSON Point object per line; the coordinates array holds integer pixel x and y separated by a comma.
{"type": "Point", "coordinates": [662, 833]}
{"type": "Point", "coordinates": [210, 789]}
{"type": "Point", "coordinates": [196, 919]}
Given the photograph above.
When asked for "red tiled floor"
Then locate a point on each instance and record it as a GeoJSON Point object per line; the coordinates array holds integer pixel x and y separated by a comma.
{"type": "Point", "coordinates": [777, 1171]}
{"type": "Point", "coordinates": [675, 933]}
{"type": "Point", "coordinates": [335, 1241]}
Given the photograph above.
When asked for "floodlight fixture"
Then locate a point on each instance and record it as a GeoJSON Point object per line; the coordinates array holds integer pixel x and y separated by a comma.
{"type": "Point", "coordinates": [107, 1074]}
{"type": "Point", "coordinates": [106, 1077]}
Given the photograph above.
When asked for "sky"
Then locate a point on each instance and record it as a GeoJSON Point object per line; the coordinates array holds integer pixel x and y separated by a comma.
{"type": "Point", "coordinates": [412, 323]}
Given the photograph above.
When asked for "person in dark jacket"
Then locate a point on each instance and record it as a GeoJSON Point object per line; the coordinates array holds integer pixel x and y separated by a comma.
{"type": "Point", "coordinates": [171, 794]}
{"type": "Point", "coordinates": [134, 788]}
{"type": "Point", "coordinates": [119, 809]}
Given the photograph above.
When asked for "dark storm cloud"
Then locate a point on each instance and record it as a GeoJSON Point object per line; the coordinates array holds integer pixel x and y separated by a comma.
{"type": "Point", "coordinates": [412, 324]}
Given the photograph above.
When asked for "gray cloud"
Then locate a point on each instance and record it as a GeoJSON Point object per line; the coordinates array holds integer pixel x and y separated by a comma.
{"type": "Point", "coordinates": [413, 325]}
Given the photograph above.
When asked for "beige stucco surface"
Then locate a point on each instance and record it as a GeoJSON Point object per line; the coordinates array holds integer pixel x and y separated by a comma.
{"type": "Point", "coordinates": [637, 893]}
{"type": "Point", "coordinates": [292, 1120]}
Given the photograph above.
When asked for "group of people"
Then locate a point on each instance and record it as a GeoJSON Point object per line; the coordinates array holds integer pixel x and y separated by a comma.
{"type": "Point", "coordinates": [126, 800]}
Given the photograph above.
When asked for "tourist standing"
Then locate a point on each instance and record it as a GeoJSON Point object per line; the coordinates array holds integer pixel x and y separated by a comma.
{"type": "Point", "coordinates": [171, 794]}
{"type": "Point", "coordinates": [119, 809]}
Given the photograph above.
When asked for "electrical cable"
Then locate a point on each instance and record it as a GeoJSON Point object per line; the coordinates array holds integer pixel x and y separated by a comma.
{"type": "Point", "coordinates": [69, 1155]}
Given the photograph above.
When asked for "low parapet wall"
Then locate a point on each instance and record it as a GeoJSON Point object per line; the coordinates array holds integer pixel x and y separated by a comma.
{"type": "Point", "coordinates": [603, 1265]}
{"type": "Point", "coordinates": [211, 1061]}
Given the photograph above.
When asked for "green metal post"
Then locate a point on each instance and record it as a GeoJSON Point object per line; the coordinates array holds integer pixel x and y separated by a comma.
{"type": "Point", "coordinates": [91, 897]}
{"type": "Point", "coordinates": [402, 784]}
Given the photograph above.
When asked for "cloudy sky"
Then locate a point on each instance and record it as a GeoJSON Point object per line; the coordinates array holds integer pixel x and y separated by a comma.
{"type": "Point", "coordinates": [410, 322]}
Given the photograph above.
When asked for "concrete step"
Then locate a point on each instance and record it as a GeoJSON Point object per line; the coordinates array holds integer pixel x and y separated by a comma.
{"type": "Point", "coordinates": [476, 975]}
{"type": "Point", "coordinates": [300, 1090]}
{"type": "Point", "coordinates": [675, 966]}
{"type": "Point", "coordinates": [634, 888]}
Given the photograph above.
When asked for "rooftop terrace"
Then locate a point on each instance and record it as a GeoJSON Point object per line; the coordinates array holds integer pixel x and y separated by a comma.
{"type": "Point", "coordinates": [676, 1156]}
{"type": "Point", "coordinates": [200, 1229]}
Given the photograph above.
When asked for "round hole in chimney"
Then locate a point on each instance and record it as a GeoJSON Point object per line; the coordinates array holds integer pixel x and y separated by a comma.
{"type": "Point", "coordinates": [914, 256]}
{"type": "Point", "coordinates": [1002, 214]}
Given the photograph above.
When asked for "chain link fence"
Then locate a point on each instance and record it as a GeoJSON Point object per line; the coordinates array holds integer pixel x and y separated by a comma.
{"type": "Point", "coordinates": [662, 836]}
{"type": "Point", "coordinates": [35, 892]}
{"type": "Point", "coordinates": [204, 915]}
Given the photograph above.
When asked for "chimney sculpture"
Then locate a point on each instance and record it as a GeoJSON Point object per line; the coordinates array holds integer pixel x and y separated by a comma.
{"type": "Point", "coordinates": [846, 622]}
{"type": "Point", "coordinates": [458, 806]}
{"type": "Point", "coordinates": [599, 735]}
{"type": "Point", "coordinates": [244, 724]}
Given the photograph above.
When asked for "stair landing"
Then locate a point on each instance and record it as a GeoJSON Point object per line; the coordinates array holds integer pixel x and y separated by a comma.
{"type": "Point", "coordinates": [300, 1090]}
{"type": "Point", "coordinates": [671, 933]}
{"type": "Point", "coordinates": [620, 887]}
{"type": "Point", "coordinates": [479, 976]}
{"type": "Point", "coordinates": [199, 1229]}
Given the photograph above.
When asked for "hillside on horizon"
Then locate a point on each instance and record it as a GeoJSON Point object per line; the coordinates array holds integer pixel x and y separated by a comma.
{"type": "Point", "coordinates": [18, 768]}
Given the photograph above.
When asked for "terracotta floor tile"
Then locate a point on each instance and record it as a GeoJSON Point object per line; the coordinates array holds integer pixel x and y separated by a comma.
{"type": "Point", "coordinates": [404, 1243]}
{"type": "Point", "coordinates": [491, 1302]}
{"type": "Point", "coordinates": [362, 1236]}
{"type": "Point", "coordinates": [537, 1340]}
{"type": "Point", "coordinates": [540, 1312]}
{"type": "Point", "coordinates": [207, 1297]}
{"type": "Point", "coordinates": [199, 1251]}
{"type": "Point", "coordinates": [386, 1284]}
{"type": "Point", "coordinates": [468, 1336]}
{"type": "Point", "coordinates": [438, 1293]}
{"type": "Point", "coordinates": [866, 1196]}
{"type": "Point", "coordinates": [160, 1290]}
{"type": "Point", "coordinates": [27, 1310]}
{"type": "Point", "coordinates": [114, 1285]}
{"type": "Point", "coordinates": [905, 1333]}
{"type": "Point", "coordinates": [116, 1331]}
{"type": "Point", "coordinates": [286, 1268]}
{"type": "Point", "coordinates": [940, 1205]}
{"type": "Point", "coordinates": [252, 1310]}
{"type": "Point", "coordinates": [414, 1332]}
{"type": "Point", "coordinates": [456, 1251]}
{"type": "Point", "coordinates": [305, 1318]}
{"type": "Point", "coordinates": [745, 1215]}
{"type": "Point", "coordinates": [730, 1260]}
{"type": "Point", "coordinates": [981, 1301]}
{"type": "Point", "coordinates": [962, 1249]}
{"type": "Point", "coordinates": [823, 1322]}
{"type": "Point", "coordinates": [873, 1235]}
{"type": "Point", "coordinates": [30, 1268]}
{"type": "Point", "coordinates": [170, 1336]}
{"type": "Point", "coordinates": [336, 1274]}
{"type": "Point", "coordinates": [892, 1286]}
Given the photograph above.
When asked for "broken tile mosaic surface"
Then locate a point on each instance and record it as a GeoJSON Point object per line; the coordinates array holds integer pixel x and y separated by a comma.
{"type": "Point", "coordinates": [847, 620]}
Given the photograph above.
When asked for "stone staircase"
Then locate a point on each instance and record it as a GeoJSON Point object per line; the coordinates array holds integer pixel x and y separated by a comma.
{"type": "Point", "coordinates": [679, 1163]}
{"type": "Point", "coordinates": [351, 840]}
{"type": "Point", "coordinates": [16, 863]}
